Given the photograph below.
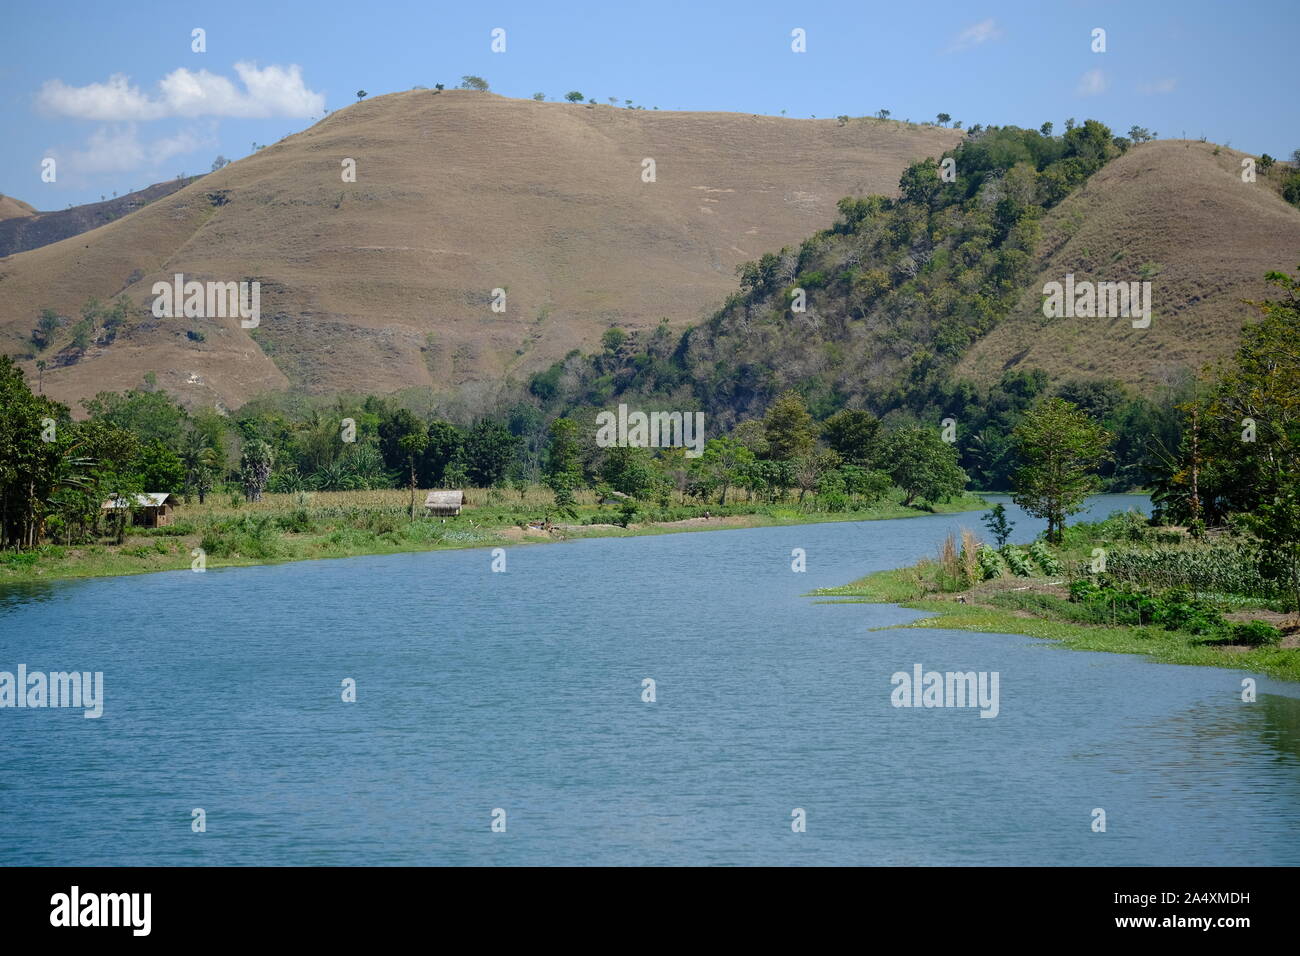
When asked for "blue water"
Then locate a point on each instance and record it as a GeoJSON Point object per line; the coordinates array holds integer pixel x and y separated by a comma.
{"type": "Point", "coordinates": [522, 691]}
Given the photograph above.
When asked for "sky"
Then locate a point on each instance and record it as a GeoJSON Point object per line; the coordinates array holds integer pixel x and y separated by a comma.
{"type": "Point", "coordinates": [118, 97]}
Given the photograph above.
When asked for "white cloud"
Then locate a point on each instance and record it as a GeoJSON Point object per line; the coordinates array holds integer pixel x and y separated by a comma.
{"type": "Point", "coordinates": [975, 34]}
{"type": "Point", "coordinates": [1166, 85]}
{"type": "Point", "coordinates": [273, 91]}
{"type": "Point", "coordinates": [1092, 83]}
{"type": "Point", "coordinates": [118, 149]}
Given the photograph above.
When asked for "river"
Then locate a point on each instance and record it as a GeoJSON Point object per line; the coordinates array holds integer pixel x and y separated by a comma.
{"type": "Point", "coordinates": [522, 691]}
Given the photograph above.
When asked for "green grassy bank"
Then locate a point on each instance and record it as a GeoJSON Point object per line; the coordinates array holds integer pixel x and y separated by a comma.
{"type": "Point", "coordinates": [303, 527]}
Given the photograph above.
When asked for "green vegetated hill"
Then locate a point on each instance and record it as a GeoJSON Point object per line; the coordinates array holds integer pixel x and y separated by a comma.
{"type": "Point", "coordinates": [929, 306]}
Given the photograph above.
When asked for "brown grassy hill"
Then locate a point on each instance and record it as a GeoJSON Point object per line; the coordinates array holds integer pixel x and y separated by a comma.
{"type": "Point", "coordinates": [31, 229]}
{"type": "Point", "coordinates": [11, 208]}
{"type": "Point", "coordinates": [384, 283]}
{"type": "Point", "coordinates": [1171, 211]}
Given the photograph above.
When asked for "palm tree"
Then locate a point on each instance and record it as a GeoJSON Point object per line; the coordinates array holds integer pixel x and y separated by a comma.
{"type": "Point", "coordinates": [201, 463]}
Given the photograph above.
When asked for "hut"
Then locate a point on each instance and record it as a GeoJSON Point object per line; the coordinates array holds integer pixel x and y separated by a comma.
{"type": "Point", "coordinates": [444, 503]}
{"type": "Point", "coordinates": [150, 510]}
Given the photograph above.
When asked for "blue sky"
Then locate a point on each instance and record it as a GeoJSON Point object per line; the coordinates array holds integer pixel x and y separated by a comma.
{"type": "Point", "coordinates": [115, 94]}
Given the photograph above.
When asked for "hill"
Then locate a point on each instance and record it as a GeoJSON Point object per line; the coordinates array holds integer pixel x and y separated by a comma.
{"type": "Point", "coordinates": [1177, 213]}
{"type": "Point", "coordinates": [928, 307]}
{"type": "Point", "coordinates": [11, 208]}
{"type": "Point", "coordinates": [23, 228]}
{"type": "Point", "coordinates": [385, 283]}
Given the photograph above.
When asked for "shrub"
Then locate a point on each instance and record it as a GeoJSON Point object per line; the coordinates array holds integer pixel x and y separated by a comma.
{"type": "Point", "coordinates": [1254, 633]}
{"type": "Point", "coordinates": [245, 536]}
{"type": "Point", "coordinates": [297, 521]}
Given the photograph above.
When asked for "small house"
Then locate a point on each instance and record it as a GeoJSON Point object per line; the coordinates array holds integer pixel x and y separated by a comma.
{"type": "Point", "coordinates": [444, 503]}
{"type": "Point", "coordinates": [150, 510]}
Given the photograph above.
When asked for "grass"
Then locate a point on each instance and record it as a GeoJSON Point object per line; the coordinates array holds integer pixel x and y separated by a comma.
{"type": "Point", "coordinates": [1037, 606]}
{"type": "Point", "coordinates": [313, 526]}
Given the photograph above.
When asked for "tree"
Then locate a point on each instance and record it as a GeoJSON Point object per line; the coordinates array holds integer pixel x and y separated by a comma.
{"type": "Point", "coordinates": [219, 162]}
{"type": "Point", "coordinates": [854, 434]}
{"type": "Point", "coordinates": [489, 448]}
{"type": "Point", "coordinates": [539, 97]}
{"type": "Point", "coordinates": [1140, 134]}
{"type": "Point", "coordinates": [997, 523]}
{"type": "Point", "coordinates": [1262, 387]}
{"type": "Point", "coordinates": [160, 469]}
{"type": "Point", "coordinates": [562, 454]}
{"type": "Point", "coordinates": [471, 82]}
{"type": "Point", "coordinates": [150, 415]}
{"type": "Point", "coordinates": [361, 95]}
{"type": "Point", "coordinates": [574, 97]}
{"type": "Point", "coordinates": [722, 463]}
{"type": "Point", "coordinates": [563, 465]}
{"type": "Point", "coordinates": [943, 119]}
{"type": "Point", "coordinates": [1046, 128]}
{"type": "Point", "coordinates": [612, 339]}
{"type": "Point", "coordinates": [627, 469]}
{"type": "Point", "coordinates": [810, 470]}
{"type": "Point", "coordinates": [1060, 449]}
{"type": "Point", "coordinates": [446, 444]}
{"type": "Point", "coordinates": [200, 461]}
{"type": "Point", "coordinates": [789, 428]}
{"type": "Point", "coordinates": [923, 465]}
{"type": "Point", "coordinates": [29, 465]}
{"type": "Point", "coordinates": [393, 426]}
{"type": "Point", "coordinates": [46, 325]}
{"type": "Point", "coordinates": [882, 114]}
{"type": "Point", "coordinates": [413, 445]}
{"type": "Point", "coordinates": [255, 468]}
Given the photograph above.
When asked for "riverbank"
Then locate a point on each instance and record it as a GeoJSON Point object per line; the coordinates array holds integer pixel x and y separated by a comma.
{"type": "Point", "coordinates": [298, 527]}
{"type": "Point", "coordinates": [1044, 605]}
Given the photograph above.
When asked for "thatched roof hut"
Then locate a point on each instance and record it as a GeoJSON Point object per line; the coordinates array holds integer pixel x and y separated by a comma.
{"type": "Point", "coordinates": [445, 503]}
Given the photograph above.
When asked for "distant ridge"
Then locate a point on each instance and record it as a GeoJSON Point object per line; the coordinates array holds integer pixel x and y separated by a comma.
{"type": "Point", "coordinates": [28, 229]}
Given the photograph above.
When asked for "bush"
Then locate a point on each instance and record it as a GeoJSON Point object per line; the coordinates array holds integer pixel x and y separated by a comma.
{"type": "Point", "coordinates": [246, 536]}
{"type": "Point", "coordinates": [1174, 612]}
{"type": "Point", "coordinates": [297, 521]}
{"type": "Point", "coordinates": [18, 560]}
{"type": "Point", "coordinates": [1254, 634]}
